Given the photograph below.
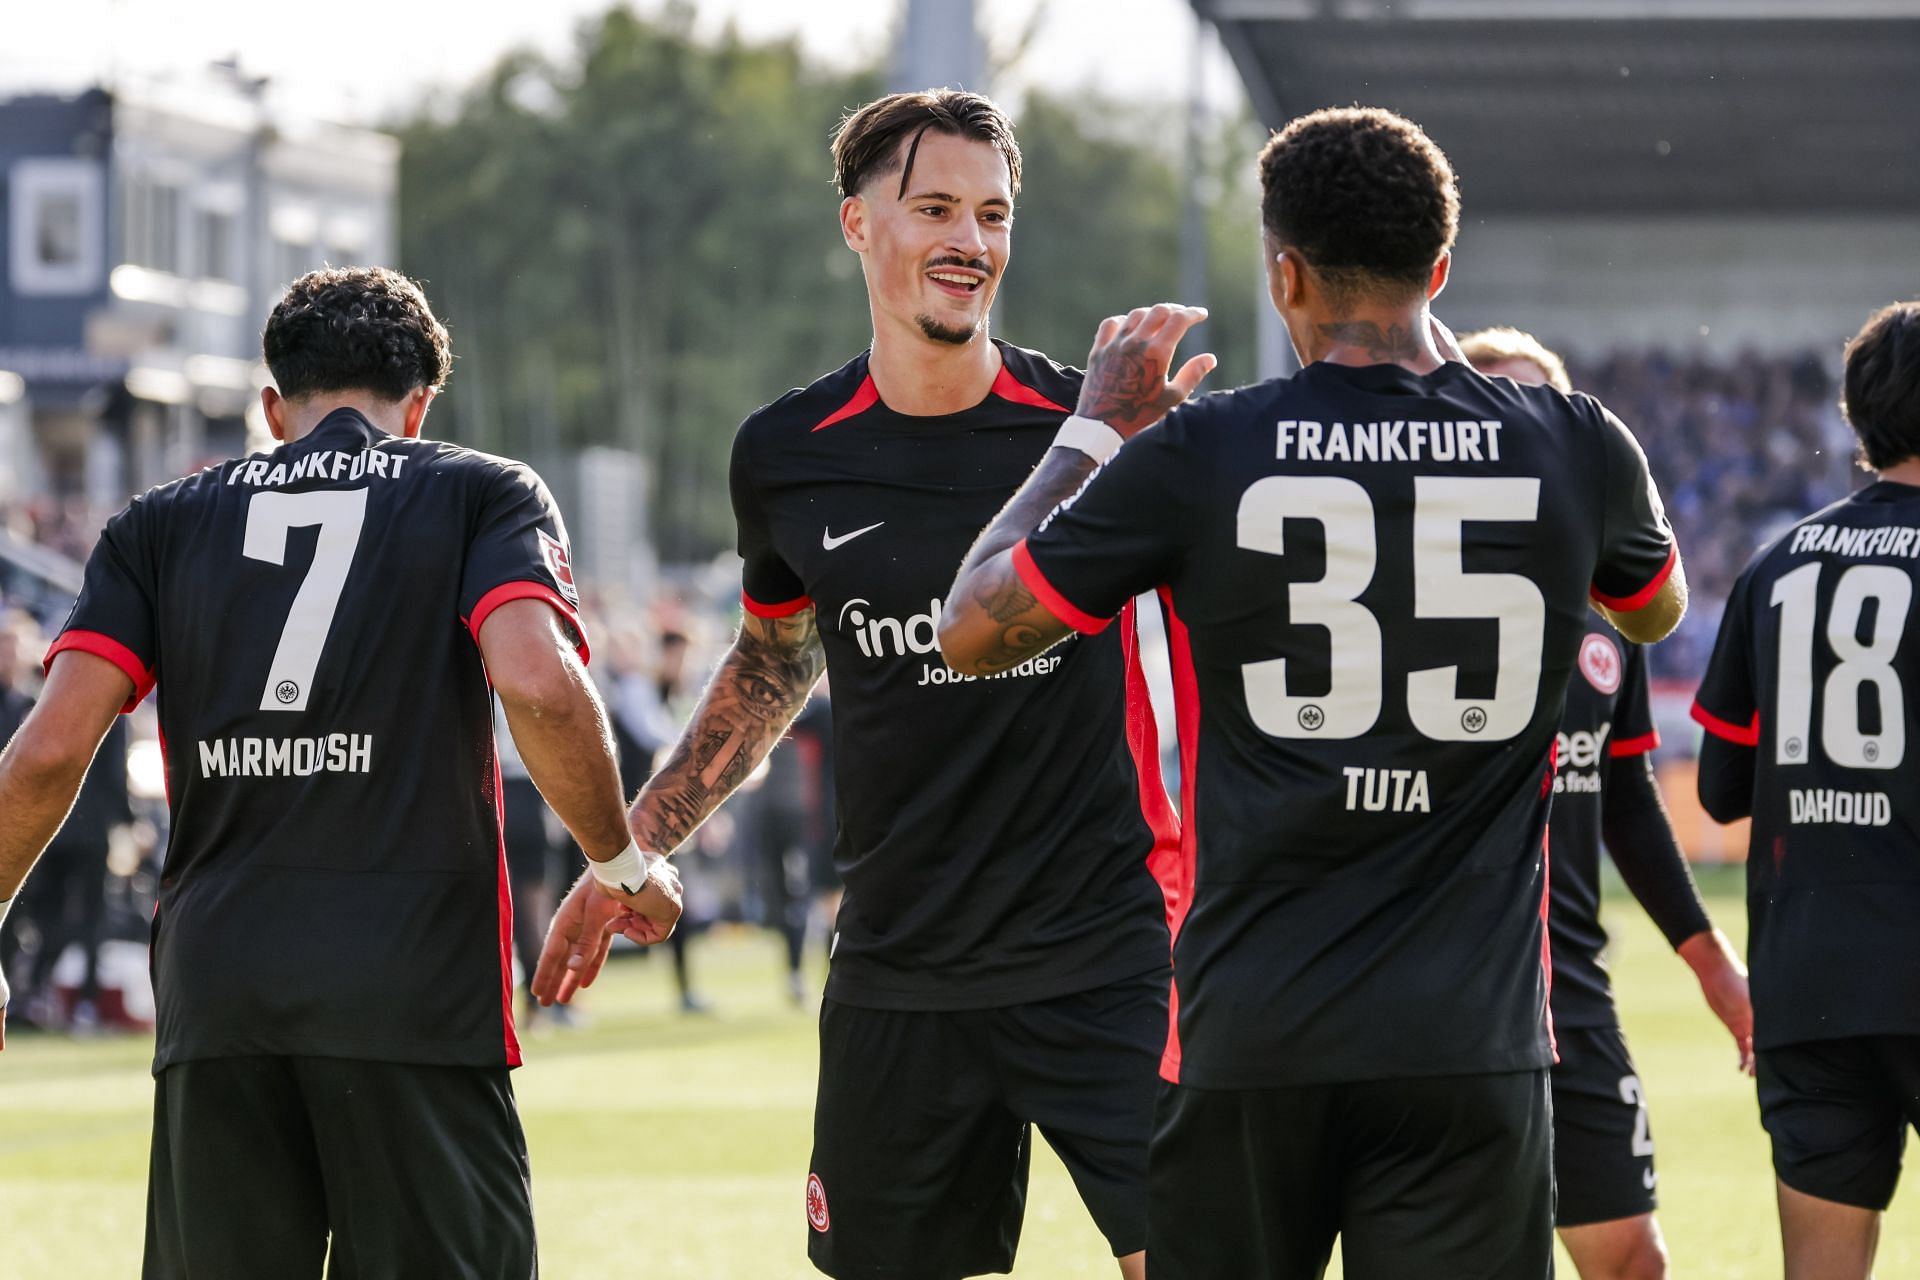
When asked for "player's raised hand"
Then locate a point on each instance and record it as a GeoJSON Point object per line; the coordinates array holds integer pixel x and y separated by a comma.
{"type": "Point", "coordinates": [577, 942]}
{"type": "Point", "coordinates": [1127, 386]}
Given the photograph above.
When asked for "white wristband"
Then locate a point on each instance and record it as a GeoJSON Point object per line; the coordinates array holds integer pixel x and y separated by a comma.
{"type": "Point", "coordinates": [626, 870]}
{"type": "Point", "coordinates": [1090, 436]}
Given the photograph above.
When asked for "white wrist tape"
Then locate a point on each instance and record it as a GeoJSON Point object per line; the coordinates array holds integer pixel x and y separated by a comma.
{"type": "Point", "coordinates": [626, 870]}
{"type": "Point", "coordinates": [1090, 436]}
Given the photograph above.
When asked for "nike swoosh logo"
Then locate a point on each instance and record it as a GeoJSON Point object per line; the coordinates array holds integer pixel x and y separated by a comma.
{"type": "Point", "coordinates": [829, 542]}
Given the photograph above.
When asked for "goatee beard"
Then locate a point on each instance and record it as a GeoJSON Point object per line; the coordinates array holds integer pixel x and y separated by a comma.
{"type": "Point", "coordinates": [950, 334]}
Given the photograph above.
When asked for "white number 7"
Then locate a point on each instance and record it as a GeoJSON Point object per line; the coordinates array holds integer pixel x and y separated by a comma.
{"type": "Point", "coordinates": [339, 513]}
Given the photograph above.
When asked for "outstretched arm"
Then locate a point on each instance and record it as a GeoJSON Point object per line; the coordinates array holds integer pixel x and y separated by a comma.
{"type": "Point", "coordinates": [43, 767]}
{"type": "Point", "coordinates": [991, 621]}
{"type": "Point", "coordinates": [757, 690]}
{"type": "Point", "coordinates": [1639, 835]}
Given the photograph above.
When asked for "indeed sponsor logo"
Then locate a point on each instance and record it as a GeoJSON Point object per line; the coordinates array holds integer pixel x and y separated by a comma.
{"type": "Point", "coordinates": [879, 637]}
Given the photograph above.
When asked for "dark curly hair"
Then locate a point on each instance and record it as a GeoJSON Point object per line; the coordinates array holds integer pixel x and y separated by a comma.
{"type": "Point", "coordinates": [1364, 196]}
{"type": "Point", "coordinates": [355, 329]}
{"type": "Point", "coordinates": [1881, 386]}
{"type": "Point", "coordinates": [867, 143]}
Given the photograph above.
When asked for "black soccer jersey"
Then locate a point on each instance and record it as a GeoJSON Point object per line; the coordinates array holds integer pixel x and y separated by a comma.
{"type": "Point", "coordinates": [1815, 667]}
{"type": "Point", "coordinates": [334, 880]}
{"type": "Point", "coordinates": [1608, 717]}
{"type": "Point", "coordinates": [1378, 586]}
{"type": "Point", "coordinates": [998, 836]}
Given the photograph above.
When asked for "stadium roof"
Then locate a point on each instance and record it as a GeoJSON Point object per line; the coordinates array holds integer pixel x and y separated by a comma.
{"type": "Point", "coordinates": [1616, 107]}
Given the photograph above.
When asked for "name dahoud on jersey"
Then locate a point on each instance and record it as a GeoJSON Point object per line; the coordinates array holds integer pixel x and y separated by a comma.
{"type": "Point", "coordinates": [321, 464]}
{"type": "Point", "coordinates": [286, 757]}
{"type": "Point", "coordinates": [1845, 540]}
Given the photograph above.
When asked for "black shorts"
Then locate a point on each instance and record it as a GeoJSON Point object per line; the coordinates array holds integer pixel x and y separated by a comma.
{"type": "Point", "coordinates": [921, 1127]}
{"type": "Point", "coordinates": [1602, 1147]}
{"type": "Point", "coordinates": [1448, 1176]}
{"type": "Point", "coordinates": [409, 1170]}
{"type": "Point", "coordinates": [1838, 1111]}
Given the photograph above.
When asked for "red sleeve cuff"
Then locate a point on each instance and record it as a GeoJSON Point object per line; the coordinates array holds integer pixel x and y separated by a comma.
{"type": "Point", "coordinates": [102, 646]}
{"type": "Point", "coordinates": [785, 609]}
{"type": "Point", "coordinates": [1061, 607]}
{"type": "Point", "coordinates": [1747, 735]}
{"type": "Point", "coordinates": [527, 590]}
{"type": "Point", "coordinates": [1641, 598]}
{"type": "Point", "coordinates": [1634, 746]}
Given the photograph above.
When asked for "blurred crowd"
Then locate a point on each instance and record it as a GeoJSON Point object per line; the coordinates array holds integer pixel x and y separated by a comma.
{"type": "Point", "coordinates": [1740, 449]}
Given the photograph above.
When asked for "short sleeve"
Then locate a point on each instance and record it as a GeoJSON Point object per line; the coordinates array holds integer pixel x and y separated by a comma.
{"type": "Point", "coordinates": [114, 615]}
{"type": "Point", "coordinates": [1124, 533]}
{"type": "Point", "coordinates": [1637, 549]}
{"type": "Point", "coordinates": [1634, 733]}
{"type": "Point", "coordinates": [519, 551]}
{"type": "Point", "coordinates": [769, 588]}
{"type": "Point", "coordinates": [1727, 704]}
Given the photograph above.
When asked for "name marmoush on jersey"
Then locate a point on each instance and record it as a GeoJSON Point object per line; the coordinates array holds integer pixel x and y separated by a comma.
{"type": "Point", "coordinates": [308, 616]}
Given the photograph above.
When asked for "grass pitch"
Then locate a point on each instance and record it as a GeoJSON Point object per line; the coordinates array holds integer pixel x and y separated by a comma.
{"type": "Point", "coordinates": [711, 1139]}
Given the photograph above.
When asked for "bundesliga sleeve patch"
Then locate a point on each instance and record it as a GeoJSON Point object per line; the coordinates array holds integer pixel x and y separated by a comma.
{"type": "Point", "coordinates": [554, 553]}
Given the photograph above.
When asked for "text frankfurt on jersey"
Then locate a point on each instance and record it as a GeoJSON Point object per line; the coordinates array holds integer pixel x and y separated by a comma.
{"type": "Point", "coordinates": [321, 464]}
{"type": "Point", "coordinates": [1843, 540]}
{"type": "Point", "coordinates": [879, 637]}
{"type": "Point", "coordinates": [1402, 440]}
{"type": "Point", "coordinates": [286, 757]}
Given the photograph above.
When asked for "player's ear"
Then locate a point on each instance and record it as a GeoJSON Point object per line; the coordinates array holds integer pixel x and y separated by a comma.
{"type": "Point", "coordinates": [1438, 281]}
{"type": "Point", "coordinates": [418, 401]}
{"type": "Point", "coordinates": [1285, 278]}
{"type": "Point", "coordinates": [275, 406]}
{"type": "Point", "coordinates": [853, 223]}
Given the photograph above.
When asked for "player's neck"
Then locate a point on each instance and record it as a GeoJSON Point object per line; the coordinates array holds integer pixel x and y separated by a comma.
{"type": "Point", "coordinates": [304, 415]}
{"type": "Point", "coordinates": [1370, 335]}
{"type": "Point", "coordinates": [1906, 471]}
{"type": "Point", "coordinates": [923, 378]}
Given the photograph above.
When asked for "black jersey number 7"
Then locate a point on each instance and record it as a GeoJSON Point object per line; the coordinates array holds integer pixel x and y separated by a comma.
{"type": "Point", "coordinates": [1441, 589]}
{"type": "Point", "coordinates": [270, 516]}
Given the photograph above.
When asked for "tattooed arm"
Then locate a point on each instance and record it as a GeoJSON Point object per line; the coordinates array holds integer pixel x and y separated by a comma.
{"type": "Point", "coordinates": [992, 621]}
{"type": "Point", "coordinates": [758, 689]}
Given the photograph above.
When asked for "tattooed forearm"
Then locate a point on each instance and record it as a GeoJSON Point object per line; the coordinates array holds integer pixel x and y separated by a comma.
{"type": "Point", "coordinates": [992, 621]}
{"type": "Point", "coordinates": [759, 687]}
{"type": "Point", "coordinates": [1395, 343]}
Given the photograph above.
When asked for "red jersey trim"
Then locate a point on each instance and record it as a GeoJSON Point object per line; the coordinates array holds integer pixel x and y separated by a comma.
{"type": "Point", "coordinates": [1061, 607]}
{"type": "Point", "coordinates": [785, 609]}
{"type": "Point", "coordinates": [1186, 718]}
{"type": "Point", "coordinates": [528, 590]}
{"type": "Point", "coordinates": [104, 646]}
{"type": "Point", "coordinates": [1747, 735]}
{"type": "Point", "coordinates": [1634, 746]}
{"type": "Point", "coordinates": [1008, 387]}
{"type": "Point", "coordinates": [1143, 741]}
{"type": "Point", "coordinates": [1640, 598]}
{"type": "Point", "coordinates": [510, 1040]}
{"type": "Point", "coordinates": [864, 399]}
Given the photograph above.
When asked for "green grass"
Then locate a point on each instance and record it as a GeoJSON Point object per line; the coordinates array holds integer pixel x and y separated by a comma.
{"type": "Point", "coordinates": [713, 1131]}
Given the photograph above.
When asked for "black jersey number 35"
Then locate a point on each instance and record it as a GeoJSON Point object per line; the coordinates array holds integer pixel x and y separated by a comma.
{"type": "Point", "coordinates": [1441, 589]}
